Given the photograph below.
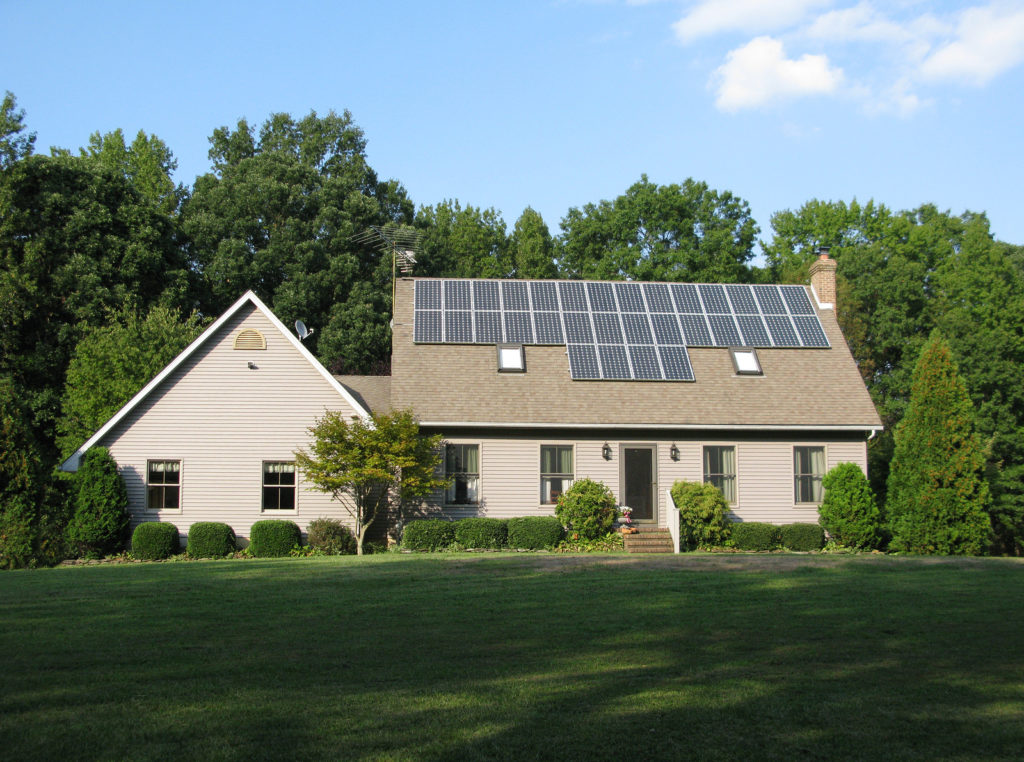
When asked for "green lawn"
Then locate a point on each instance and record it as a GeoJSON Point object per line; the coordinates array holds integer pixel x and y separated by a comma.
{"type": "Point", "coordinates": [515, 657]}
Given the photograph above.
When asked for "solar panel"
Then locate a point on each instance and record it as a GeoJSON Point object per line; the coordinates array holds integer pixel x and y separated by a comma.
{"type": "Point", "coordinates": [636, 329]}
{"type": "Point", "coordinates": [658, 299]}
{"type": "Point", "coordinates": [753, 330]}
{"type": "Point", "coordinates": [488, 328]}
{"type": "Point", "coordinates": [676, 362]}
{"type": "Point", "coordinates": [810, 331]}
{"type": "Point", "coordinates": [577, 328]}
{"type": "Point", "coordinates": [549, 328]}
{"type": "Point", "coordinates": [770, 300]}
{"type": "Point", "coordinates": [685, 296]}
{"type": "Point", "coordinates": [545, 295]}
{"type": "Point", "coordinates": [514, 294]}
{"type": "Point", "coordinates": [602, 298]}
{"type": "Point", "coordinates": [485, 295]}
{"type": "Point", "coordinates": [574, 296]}
{"type": "Point", "coordinates": [645, 362]}
{"type": "Point", "coordinates": [427, 324]}
{"type": "Point", "coordinates": [458, 327]}
{"type": "Point", "coordinates": [518, 328]}
{"type": "Point", "coordinates": [456, 295]}
{"type": "Point", "coordinates": [631, 299]}
{"type": "Point", "coordinates": [428, 295]}
{"type": "Point", "coordinates": [695, 331]}
{"type": "Point", "coordinates": [666, 329]}
{"type": "Point", "coordinates": [796, 300]}
{"type": "Point", "coordinates": [742, 299]}
{"type": "Point", "coordinates": [714, 299]}
{"type": "Point", "coordinates": [607, 329]}
{"type": "Point", "coordinates": [724, 331]}
{"type": "Point", "coordinates": [614, 364]}
{"type": "Point", "coordinates": [782, 331]}
{"type": "Point", "coordinates": [583, 361]}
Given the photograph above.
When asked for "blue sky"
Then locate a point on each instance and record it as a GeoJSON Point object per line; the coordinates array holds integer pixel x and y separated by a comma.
{"type": "Point", "coordinates": [556, 104]}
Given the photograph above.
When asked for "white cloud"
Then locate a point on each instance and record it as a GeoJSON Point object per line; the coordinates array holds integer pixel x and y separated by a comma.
{"type": "Point", "coordinates": [759, 73]}
{"type": "Point", "coordinates": [709, 17]}
{"type": "Point", "coordinates": [989, 40]}
{"type": "Point", "coordinates": [859, 23]}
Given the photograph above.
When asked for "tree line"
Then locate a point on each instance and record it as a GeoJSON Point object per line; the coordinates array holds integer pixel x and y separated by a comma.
{"type": "Point", "coordinates": [109, 268]}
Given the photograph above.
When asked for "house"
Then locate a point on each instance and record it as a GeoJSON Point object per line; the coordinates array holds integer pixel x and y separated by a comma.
{"type": "Point", "coordinates": [533, 384]}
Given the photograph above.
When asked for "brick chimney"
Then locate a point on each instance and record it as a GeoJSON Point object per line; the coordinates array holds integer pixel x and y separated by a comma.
{"type": "Point", "coordinates": [823, 280]}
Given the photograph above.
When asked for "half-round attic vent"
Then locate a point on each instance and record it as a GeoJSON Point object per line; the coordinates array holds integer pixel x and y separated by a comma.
{"type": "Point", "coordinates": [250, 339]}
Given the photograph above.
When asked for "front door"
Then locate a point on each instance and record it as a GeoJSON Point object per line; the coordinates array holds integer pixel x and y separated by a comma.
{"type": "Point", "coordinates": [638, 479]}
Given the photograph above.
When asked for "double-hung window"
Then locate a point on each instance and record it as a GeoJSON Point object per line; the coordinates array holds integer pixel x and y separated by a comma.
{"type": "Point", "coordinates": [462, 466]}
{"type": "Point", "coordinates": [720, 469]}
{"type": "Point", "coordinates": [808, 470]}
{"type": "Point", "coordinates": [278, 485]}
{"type": "Point", "coordinates": [556, 472]}
{"type": "Point", "coordinates": [163, 484]}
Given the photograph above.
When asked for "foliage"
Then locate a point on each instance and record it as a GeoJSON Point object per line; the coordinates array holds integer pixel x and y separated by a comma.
{"type": "Point", "coordinates": [372, 467]}
{"type": "Point", "coordinates": [330, 536]}
{"type": "Point", "coordinates": [755, 535]}
{"type": "Point", "coordinates": [112, 362]}
{"type": "Point", "coordinates": [703, 514]}
{"type": "Point", "coordinates": [428, 534]}
{"type": "Point", "coordinates": [210, 539]}
{"type": "Point", "coordinates": [575, 542]}
{"type": "Point", "coordinates": [849, 512]}
{"type": "Point", "coordinates": [147, 163]}
{"type": "Point", "coordinates": [100, 523]}
{"type": "Point", "coordinates": [481, 533]}
{"type": "Point", "coordinates": [273, 538]}
{"type": "Point", "coordinates": [531, 249]}
{"type": "Point", "coordinates": [534, 532]}
{"type": "Point", "coordinates": [586, 509]}
{"type": "Point", "coordinates": [155, 541]}
{"type": "Point", "coordinates": [13, 144]}
{"type": "Point", "coordinates": [938, 496]}
{"type": "Point", "coordinates": [21, 481]}
{"type": "Point", "coordinates": [685, 232]}
{"type": "Point", "coordinates": [802, 537]}
{"type": "Point", "coordinates": [462, 242]}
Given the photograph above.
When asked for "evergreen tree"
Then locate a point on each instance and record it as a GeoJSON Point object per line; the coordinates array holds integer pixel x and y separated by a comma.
{"type": "Point", "coordinates": [937, 494]}
{"type": "Point", "coordinates": [100, 523]}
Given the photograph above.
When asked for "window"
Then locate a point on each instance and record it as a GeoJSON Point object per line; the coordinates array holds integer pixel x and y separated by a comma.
{"type": "Point", "coordinates": [511, 358]}
{"type": "Point", "coordinates": [163, 484]}
{"type": "Point", "coordinates": [744, 360]}
{"type": "Point", "coordinates": [462, 466]}
{"type": "Point", "coordinates": [556, 472]}
{"type": "Point", "coordinates": [808, 468]}
{"type": "Point", "coordinates": [720, 469]}
{"type": "Point", "coordinates": [278, 486]}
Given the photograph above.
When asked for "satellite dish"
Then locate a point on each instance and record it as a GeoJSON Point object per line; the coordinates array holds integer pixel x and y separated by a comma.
{"type": "Point", "coordinates": [302, 331]}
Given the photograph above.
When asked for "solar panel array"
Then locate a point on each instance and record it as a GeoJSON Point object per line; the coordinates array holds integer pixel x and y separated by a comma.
{"type": "Point", "coordinates": [617, 330]}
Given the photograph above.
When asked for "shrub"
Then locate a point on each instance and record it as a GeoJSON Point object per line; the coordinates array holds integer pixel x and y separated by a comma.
{"type": "Point", "coordinates": [849, 511]}
{"type": "Point", "coordinates": [587, 508]}
{"type": "Point", "coordinates": [802, 537]}
{"type": "Point", "coordinates": [100, 522]}
{"type": "Point", "coordinates": [428, 534]}
{"type": "Point", "coordinates": [534, 532]}
{"type": "Point", "coordinates": [609, 543]}
{"type": "Point", "coordinates": [155, 540]}
{"type": "Point", "coordinates": [703, 520]}
{"type": "Point", "coordinates": [273, 538]}
{"type": "Point", "coordinates": [331, 536]}
{"type": "Point", "coordinates": [210, 539]}
{"type": "Point", "coordinates": [754, 535]}
{"type": "Point", "coordinates": [481, 533]}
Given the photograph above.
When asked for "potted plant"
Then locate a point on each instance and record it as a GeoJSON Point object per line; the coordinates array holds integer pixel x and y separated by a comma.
{"type": "Point", "coordinates": [626, 519]}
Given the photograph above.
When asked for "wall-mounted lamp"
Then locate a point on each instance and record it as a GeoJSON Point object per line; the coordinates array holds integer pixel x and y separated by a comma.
{"type": "Point", "coordinates": [673, 452]}
{"type": "Point", "coordinates": [606, 451]}
{"type": "Point", "coordinates": [252, 365]}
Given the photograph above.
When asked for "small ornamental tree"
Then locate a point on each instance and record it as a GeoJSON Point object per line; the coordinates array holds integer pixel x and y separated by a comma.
{"type": "Point", "coordinates": [937, 494]}
{"type": "Point", "coordinates": [703, 514]}
{"type": "Point", "coordinates": [100, 523]}
{"type": "Point", "coordinates": [849, 511]}
{"type": "Point", "coordinates": [372, 467]}
{"type": "Point", "coordinates": [587, 508]}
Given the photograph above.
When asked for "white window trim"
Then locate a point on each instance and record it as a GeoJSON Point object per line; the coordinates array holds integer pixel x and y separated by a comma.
{"type": "Point", "coordinates": [736, 477]}
{"type": "Point", "coordinates": [792, 466]}
{"type": "Point", "coordinates": [284, 511]}
{"type": "Point", "coordinates": [540, 474]}
{"type": "Point", "coordinates": [181, 488]}
{"type": "Point", "coordinates": [479, 474]}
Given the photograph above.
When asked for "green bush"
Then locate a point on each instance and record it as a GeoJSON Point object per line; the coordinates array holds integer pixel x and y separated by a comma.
{"type": "Point", "coordinates": [481, 533]}
{"type": "Point", "coordinates": [155, 540]}
{"type": "Point", "coordinates": [586, 509]}
{"type": "Point", "coordinates": [210, 539]}
{"type": "Point", "coordinates": [100, 522]}
{"type": "Point", "coordinates": [331, 537]}
{"type": "Point", "coordinates": [849, 511]}
{"type": "Point", "coordinates": [273, 538]}
{"type": "Point", "coordinates": [703, 519]}
{"type": "Point", "coordinates": [754, 535]}
{"type": "Point", "coordinates": [534, 532]}
{"type": "Point", "coordinates": [802, 537]}
{"type": "Point", "coordinates": [428, 534]}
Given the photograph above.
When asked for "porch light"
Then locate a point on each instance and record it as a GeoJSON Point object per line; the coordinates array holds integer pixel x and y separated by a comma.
{"type": "Point", "coordinates": [673, 452]}
{"type": "Point", "coordinates": [606, 451]}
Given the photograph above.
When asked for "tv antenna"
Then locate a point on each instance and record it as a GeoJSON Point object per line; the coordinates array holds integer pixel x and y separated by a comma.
{"type": "Point", "coordinates": [400, 241]}
{"type": "Point", "coordinates": [302, 331]}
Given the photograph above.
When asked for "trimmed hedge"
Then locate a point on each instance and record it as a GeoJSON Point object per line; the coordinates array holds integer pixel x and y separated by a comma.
{"type": "Point", "coordinates": [155, 540]}
{"type": "Point", "coordinates": [210, 539]}
{"type": "Point", "coordinates": [754, 535]}
{"type": "Point", "coordinates": [331, 536]}
{"type": "Point", "coordinates": [428, 534]}
{"type": "Point", "coordinates": [802, 537]}
{"type": "Point", "coordinates": [849, 510]}
{"type": "Point", "coordinates": [703, 519]}
{"type": "Point", "coordinates": [273, 538]}
{"type": "Point", "coordinates": [534, 532]}
{"type": "Point", "coordinates": [481, 533]}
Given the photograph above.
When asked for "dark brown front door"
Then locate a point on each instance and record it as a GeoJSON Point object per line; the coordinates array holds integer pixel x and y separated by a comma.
{"type": "Point", "coordinates": [638, 482]}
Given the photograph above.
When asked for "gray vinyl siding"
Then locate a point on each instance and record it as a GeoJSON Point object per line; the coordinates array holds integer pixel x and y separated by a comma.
{"type": "Point", "coordinates": [222, 420]}
{"type": "Point", "coordinates": [510, 473]}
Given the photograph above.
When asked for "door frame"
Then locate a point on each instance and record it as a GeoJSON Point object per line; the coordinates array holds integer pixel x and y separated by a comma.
{"type": "Point", "coordinates": [653, 448]}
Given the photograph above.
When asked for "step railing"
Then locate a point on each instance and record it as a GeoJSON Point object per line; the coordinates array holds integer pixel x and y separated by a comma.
{"type": "Point", "coordinates": [673, 521]}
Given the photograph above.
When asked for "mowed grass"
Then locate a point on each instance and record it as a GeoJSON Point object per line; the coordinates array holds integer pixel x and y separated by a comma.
{"type": "Point", "coordinates": [515, 657]}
